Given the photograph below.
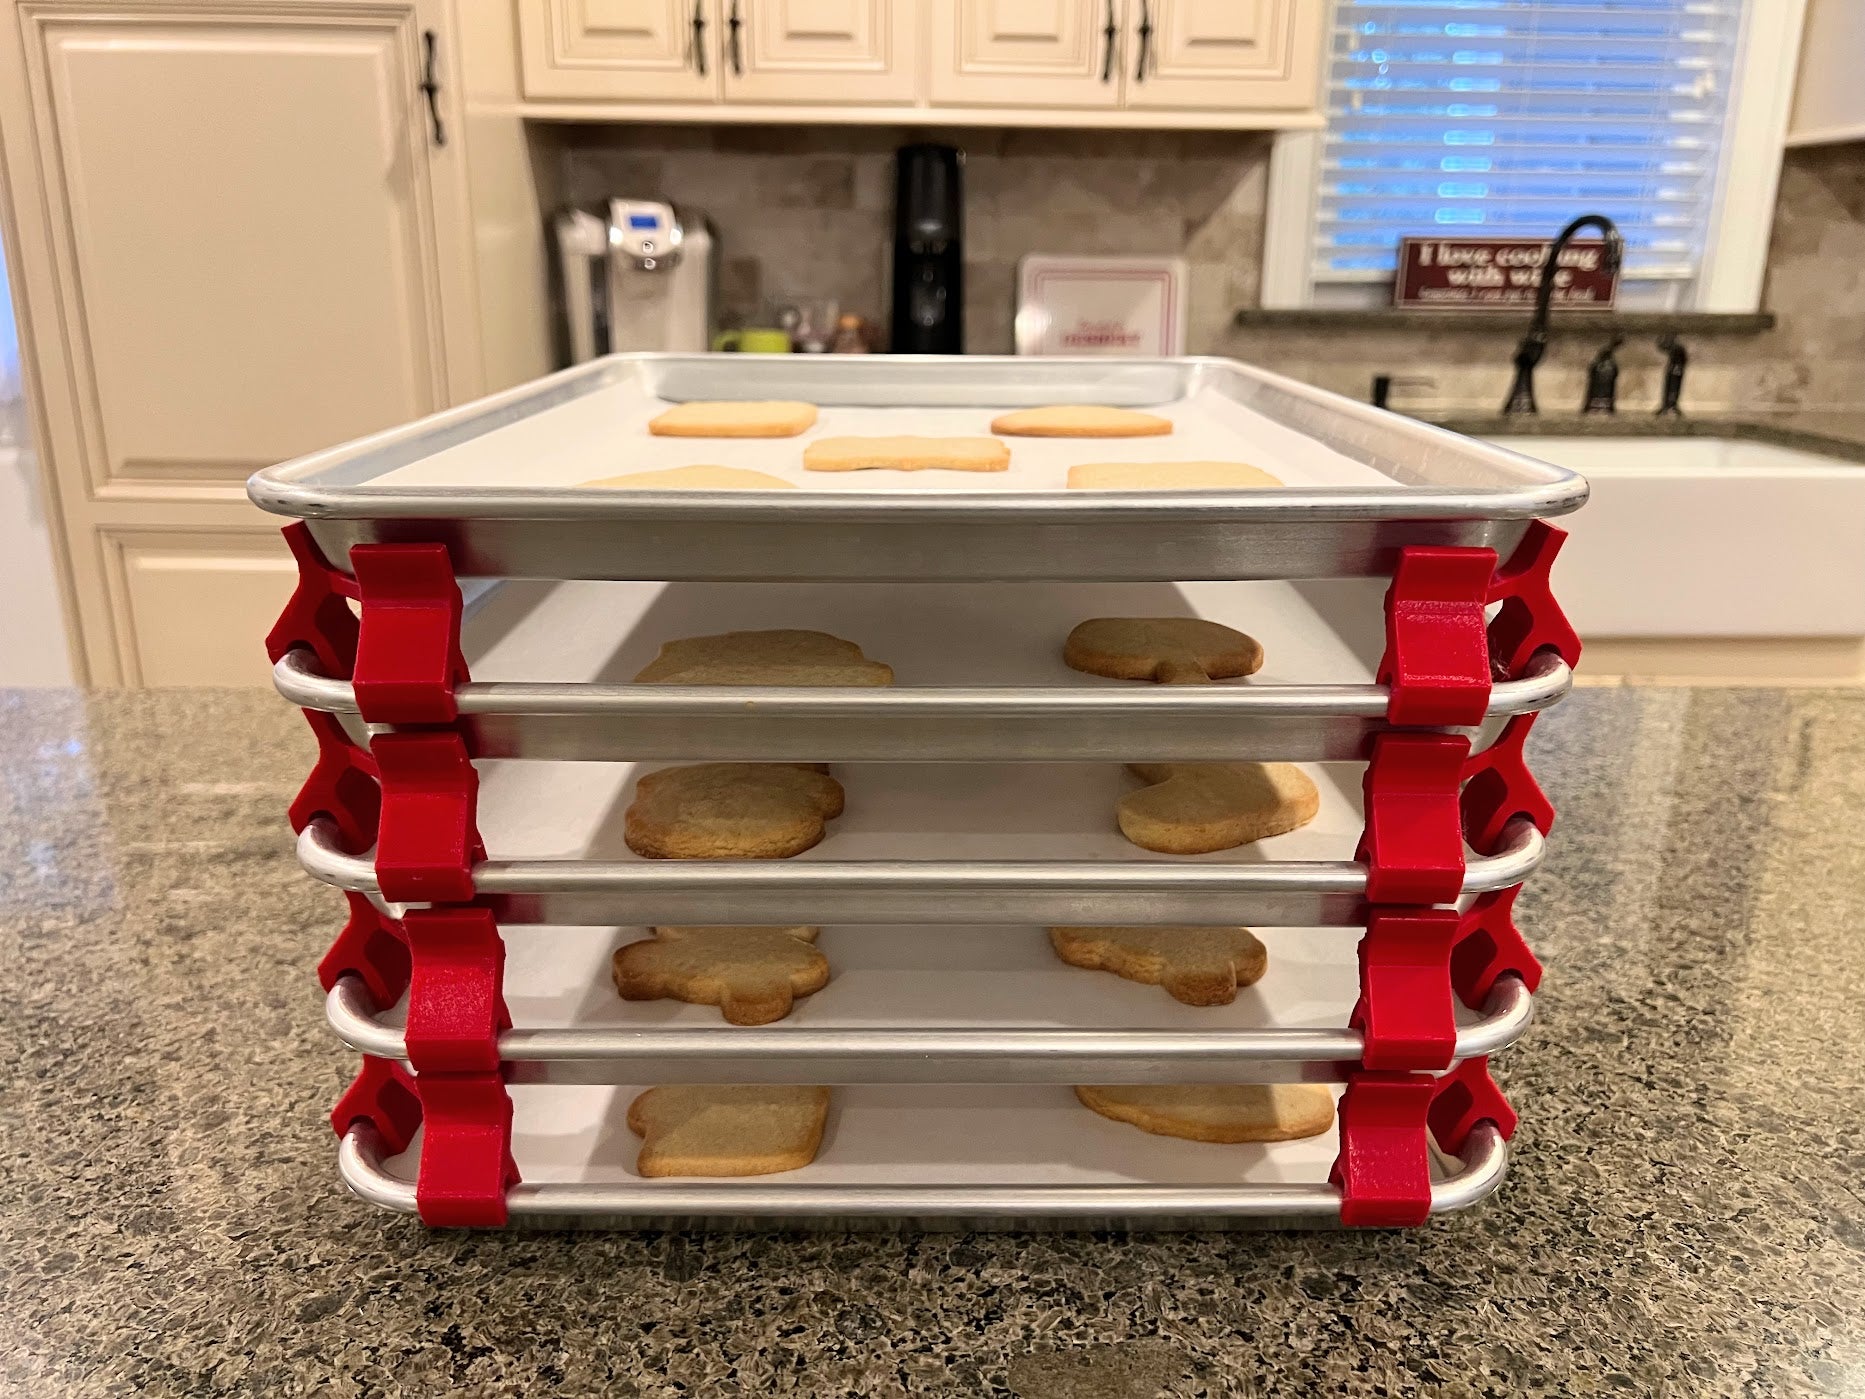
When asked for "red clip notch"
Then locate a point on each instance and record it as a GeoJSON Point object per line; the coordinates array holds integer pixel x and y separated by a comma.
{"type": "Point", "coordinates": [1530, 620]}
{"type": "Point", "coordinates": [382, 1094]}
{"type": "Point", "coordinates": [1413, 842]}
{"type": "Point", "coordinates": [1499, 788]}
{"type": "Point", "coordinates": [1489, 946]}
{"type": "Point", "coordinates": [1405, 1009]}
{"type": "Point", "coordinates": [371, 947]}
{"type": "Point", "coordinates": [318, 617]}
{"type": "Point", "coordinates": [408, 656]}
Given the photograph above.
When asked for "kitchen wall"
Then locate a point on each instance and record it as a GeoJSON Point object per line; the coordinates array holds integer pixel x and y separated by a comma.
{"type": "Point", "coordinates": [806, 210]}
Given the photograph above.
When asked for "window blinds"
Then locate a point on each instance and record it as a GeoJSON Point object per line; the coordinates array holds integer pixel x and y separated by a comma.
{"type": "Point", "coordinates": [1509, 117]}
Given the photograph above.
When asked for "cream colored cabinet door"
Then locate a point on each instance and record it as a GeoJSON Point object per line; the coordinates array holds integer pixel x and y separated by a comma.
{"type": "Point", "coordinates": [1027, 53]}
{"type": "Point", "coordinates": [620, 50]}
{"type": "Point", "coordinates": [846, 52]}
{"type": "Point", "coordinates": [233, 248]}
{"type": "Point", "coordinates": [1225, 54]}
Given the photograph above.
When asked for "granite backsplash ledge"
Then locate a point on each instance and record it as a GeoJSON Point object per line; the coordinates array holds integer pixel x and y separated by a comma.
{"type": "Point", "coordinates": [808, 211]}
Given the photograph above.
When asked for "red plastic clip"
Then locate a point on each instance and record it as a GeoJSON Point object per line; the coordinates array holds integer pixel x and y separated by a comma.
{"type": "Point", "coordinates": [1437, 646]}
{"type": "Point", "coordinates": [1384, 1166]}
{"type": "Point", "coordinates": [318, 616]}
{"type": "Point", "coordinates": [456, 998]}
{"type": "Point", "coordinates": [408, 657]}
{"type": "Point", "coordinates": [1413, 842]}
{"type": "Point", "coordinates": [1405, 1009]}
{"type": "Point", "coordinates": [429, 838]}
{"type": "Point", "coordinates": [372, 947]}
{"type": "Point", "coordinates": [344, 786]}
{"type": "Point", "coordinates": [414, 796]}
{"type": "Point", "coordinates": [1530, 620]}
{"type": "Point", "coordinates": [384, 1095]}
{"type": "Point", "coordinates": [1499, 787]}
{"type": "Point", "coordinates": [466, 1150]}
{"type": "Point", "coordinates": [1490, 946]}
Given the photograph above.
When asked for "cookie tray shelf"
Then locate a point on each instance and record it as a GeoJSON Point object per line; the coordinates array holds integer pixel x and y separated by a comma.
{"type": "Point", "coordinates": [979, 676]}
{"type": "Point", "coordinates": [933, 1004]}
{"type": "Point", "coordinates": [499, 481]}
{"type": "Point", "coordinates": [1006, 1157]}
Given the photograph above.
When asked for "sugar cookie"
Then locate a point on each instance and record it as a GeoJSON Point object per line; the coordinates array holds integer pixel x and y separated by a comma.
{"type": "Point", "coordinates": [730, 811]}
{"type": "Point", "coordinates": [753, 975]}
{"type": "Point", "coordinates": [753, 1129]}
{"type": "Point", "coordinates": [780, 657]}
{"type": "Point", "coordinates": [1217, 1112]}
{"type": "Point", "coordinates": [1080, 420]}
{"type": "Point", "coordinates": [693, 478]}
{"type": "Point", "coordinates": [730, 418]}
{"type": "Point", "coordinates": [1193, 808]}
{"type": "Point", "coordinates": [1170, 650]}
{"type": "Point", "coordinates": [906, 454]}
{"type": "Point", "coordinates": [1198, 966]}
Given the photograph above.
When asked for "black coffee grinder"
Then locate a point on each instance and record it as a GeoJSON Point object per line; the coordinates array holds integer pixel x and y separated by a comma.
{"type": "Point", "coordinates": [929, 255]}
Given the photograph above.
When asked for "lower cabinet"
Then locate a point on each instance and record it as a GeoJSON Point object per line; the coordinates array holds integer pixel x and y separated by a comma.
{"type": "Point", "coordinates": [192, 607]}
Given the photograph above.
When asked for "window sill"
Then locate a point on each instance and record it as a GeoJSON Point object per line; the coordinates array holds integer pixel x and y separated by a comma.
{"type": "Point", "coordinates": [1510, 322]}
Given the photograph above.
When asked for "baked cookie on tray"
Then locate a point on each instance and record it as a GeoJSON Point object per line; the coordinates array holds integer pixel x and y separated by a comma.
{"type": "Point", "coordinates": [752, 974]}
{"type": "Point", "coordinates": [1217, 1112]}
{"type": "Point", "coordinates": [726, 1129]}
{"type": "Point", "coordinates": [1195, 808]}
{"type": "Point", "coordinates": [731, 811]}
{"type": "Point", "coordinates": [1195, 966]}
{"type": "Point", "coordinates": [1080, 420]}
{"type": "Point", "coordinates": [763, 418]}
{"type": "Point", "coordinates": [1169, 650]}
{"type": "Point", "coordinates": [693, 478]}
{"type": "Point", "coordinates": [779, 657]}
{"type": "Point", "coordinates": [906, 454]}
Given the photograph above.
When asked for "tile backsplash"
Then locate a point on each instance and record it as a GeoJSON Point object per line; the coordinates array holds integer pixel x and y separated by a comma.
{"type": "Point", "coordinates": [808, 211]}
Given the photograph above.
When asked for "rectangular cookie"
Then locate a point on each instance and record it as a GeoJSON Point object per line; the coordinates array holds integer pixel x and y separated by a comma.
{"type": "Point", "coordinates": [766, 418]}
{"type": "Point", "coordinates": [906, 454]}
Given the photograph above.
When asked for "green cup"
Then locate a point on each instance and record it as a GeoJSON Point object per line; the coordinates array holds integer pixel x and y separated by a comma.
{"type": "Point", "coordinates": [753, 342]}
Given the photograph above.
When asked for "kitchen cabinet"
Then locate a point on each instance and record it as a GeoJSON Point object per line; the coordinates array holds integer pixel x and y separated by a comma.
{"type": "Point", "coordinates": [1829, 101]}
{"type": "Point", "coordinates": [627, 50]}
{"type": "Point", "coordinates": [1026, 53]}
{"type": "Point", "coordinates": [1187, 63]}
{"type": "Point", "coordinates": [820, 50]}
{"type": "Point", "coordinates": [237, 241]}
{"type": "Point", "coordinates": [1216, 54]}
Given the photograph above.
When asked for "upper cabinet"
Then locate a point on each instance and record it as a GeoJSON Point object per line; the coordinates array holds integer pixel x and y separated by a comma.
{"type": "Point", "coordinates": [1193, 63]}
{"type": "Point", "coordinates": [1829, 100]}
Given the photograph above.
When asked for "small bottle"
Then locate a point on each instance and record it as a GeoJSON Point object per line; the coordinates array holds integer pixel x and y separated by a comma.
{"type": "Point", "coordinates": [848, 337]}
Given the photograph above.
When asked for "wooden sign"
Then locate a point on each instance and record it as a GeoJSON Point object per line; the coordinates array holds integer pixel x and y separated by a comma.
{"type": "Point", "coordinates": [1500, 274]}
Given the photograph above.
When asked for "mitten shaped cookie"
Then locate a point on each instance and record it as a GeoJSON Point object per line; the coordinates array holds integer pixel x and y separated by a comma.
{"type": "Point", "coordinates": [754, 1129]}
{"type": "Point", "coordinates": [1193, 808]}
{"type": "Point", "coordinates": [753, 975]}
{"type": "Point", "coordinates": [730, 811]}
{"type": "Point", "coordinates": [1198, 966]}
{"type": "Point", "coordinates": [779, 657]}
{"type": "Point", "coordinates": [1170, 650]}
{"type": "Point", "coordinates": [1080, 420]}
{"type": "Point", "coordinates": [1217, 1112]}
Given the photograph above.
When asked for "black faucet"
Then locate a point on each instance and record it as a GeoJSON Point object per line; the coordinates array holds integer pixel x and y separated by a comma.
{"type": "Point", "coordinates": [1535, 344]}
{"type": "Point", "coordinates": [1603, 380]}
{"type": "Point", "coordinates": [1675, 358]}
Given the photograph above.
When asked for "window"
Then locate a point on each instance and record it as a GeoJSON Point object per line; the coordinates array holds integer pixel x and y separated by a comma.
{"type": "Point", "coordinates": [1512, 116]}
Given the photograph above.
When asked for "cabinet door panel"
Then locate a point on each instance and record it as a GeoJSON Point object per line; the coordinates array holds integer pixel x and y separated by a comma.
{"type": "Point", "coordinates": [821, 51]}
{"type": "Point", "coordinates": [1027, 53]}
{"type": "Point", "coordinates": [193, 607]}
{"type": "Point", "coordinates": [620, 50]}
{"type": "Point", "coordinates": [1249, 54]}
{"type": "Point", "coordinates": [249, 267]}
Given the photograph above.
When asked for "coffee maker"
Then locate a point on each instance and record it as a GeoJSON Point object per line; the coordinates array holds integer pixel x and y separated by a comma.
{"type": "Point", "coordinates": [929, 254]}
{"type": "Point", "coordinates": [636, 274]}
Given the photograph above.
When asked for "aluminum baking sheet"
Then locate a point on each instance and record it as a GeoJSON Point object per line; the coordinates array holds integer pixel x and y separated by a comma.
{"type": "Point", "coordinates": [497, 481]}
{"type": "Point", "coordinates": [932, 1004]}
{"type": "Point", "coordinates": [1026, 1156]}
{"type": "Point", "coordinates": [978, 674]}
{"type": "Point", "coordinates": [972, 843]}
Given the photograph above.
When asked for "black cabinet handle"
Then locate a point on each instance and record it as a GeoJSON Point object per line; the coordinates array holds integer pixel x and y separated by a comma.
{"type": "Point", "coordinates": [699, 37]}
{"type": "Point", "coordinates": [1146, 41]}
{"type": "Point", "coordinates": [1110, 33]}
{"type": "Point", "coordinates": [430, 86]}
{"type": "Point", "coordinates": [732, 26]}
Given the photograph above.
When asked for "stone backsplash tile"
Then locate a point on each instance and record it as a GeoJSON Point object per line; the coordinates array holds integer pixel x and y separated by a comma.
{"type": "Point", "coordinates": [808, 211]}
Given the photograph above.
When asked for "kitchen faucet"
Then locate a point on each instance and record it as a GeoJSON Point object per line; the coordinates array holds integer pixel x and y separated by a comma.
{"type": "Point", "coordinates": [1535, 344]}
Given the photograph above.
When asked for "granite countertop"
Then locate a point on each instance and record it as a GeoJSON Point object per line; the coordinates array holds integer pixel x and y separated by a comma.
{"type": "Point", "coordinates": [1684, 1216]}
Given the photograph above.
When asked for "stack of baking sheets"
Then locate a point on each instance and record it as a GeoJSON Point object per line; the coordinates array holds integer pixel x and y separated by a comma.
{"type": "Point", "coordinates": [980, 785]}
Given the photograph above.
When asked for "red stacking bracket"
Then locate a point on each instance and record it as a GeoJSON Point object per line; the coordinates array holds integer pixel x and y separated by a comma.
{"type": "Point", "coordinates": [1437, 644]}
{"type": "Point", "coordinates": [1405, 1009]}
{"type": "Point", "coordinates": [1442, 653]}
{"type": "Point", "coordinates": [1530, 620]}
{"type": "Point", "coordinates": [408, 656]}
{"type": "Point", "coordinates": [384, 1095]}
{"type": "Point", "coordinates": [1413, 842]}
{"type": "Point", "coordinates": [456, 998]}
{"type": "Point", "coordinates": [318, 616]}
{"type": "Point", "coordinates": [403, 657]}
{"type": "Point", "coordinates": [1499, 787]}
{"type": "Point", "coordinates": [1490, 946]}
{"type": "Point", "coordinates": [465, 1121]}
{"type": "Point", "coordinates": [466, 1150]}
{"type": "Point", "coordinates": [1384, 1166]}
{"type": "Point", "coordinates": [372, 947]}
{"type": "Point", "coordinates": [414, 796]}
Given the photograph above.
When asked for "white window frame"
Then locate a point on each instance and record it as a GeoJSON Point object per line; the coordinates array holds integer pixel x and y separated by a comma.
{"type": "Point", "coordinates": [1735, 252]}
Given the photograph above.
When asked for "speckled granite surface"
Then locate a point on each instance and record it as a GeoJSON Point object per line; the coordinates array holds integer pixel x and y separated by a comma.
{"type": "Point", "coordinates": [1685, 1215]}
